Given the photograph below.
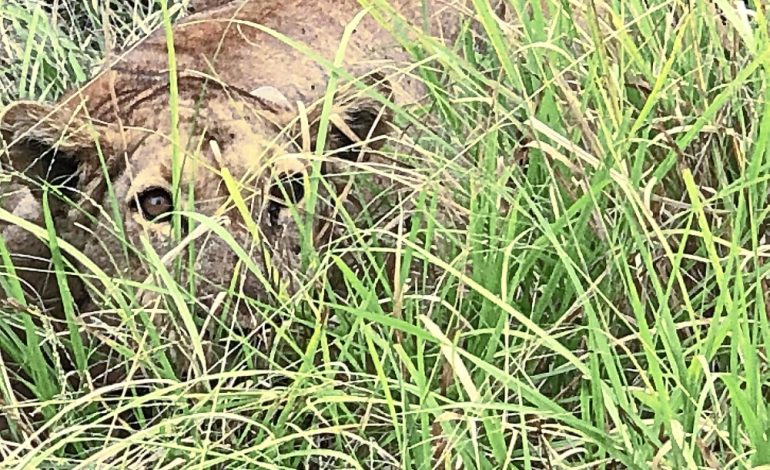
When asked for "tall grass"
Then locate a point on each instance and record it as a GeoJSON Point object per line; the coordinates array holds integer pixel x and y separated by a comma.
{"type": "Point", "coordinates": [603, 307]}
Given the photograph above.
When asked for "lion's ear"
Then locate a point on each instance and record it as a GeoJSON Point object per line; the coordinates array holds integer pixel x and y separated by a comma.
{"type": "Point", "coordinates": [358, 121]}
{"type": "Point", "coordinates": [51, 144]}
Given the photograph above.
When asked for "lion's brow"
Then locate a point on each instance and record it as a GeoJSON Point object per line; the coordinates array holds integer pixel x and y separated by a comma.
{"type": "Point", "coordinates": [136, 88]}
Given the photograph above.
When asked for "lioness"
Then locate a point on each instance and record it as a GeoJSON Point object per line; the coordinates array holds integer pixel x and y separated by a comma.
{"type": "Point", "coordinates": [248, 119]}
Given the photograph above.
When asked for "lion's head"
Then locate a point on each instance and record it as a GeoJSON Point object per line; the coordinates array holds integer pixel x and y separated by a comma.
{"type": "Point", "coordinates": [224, 200]}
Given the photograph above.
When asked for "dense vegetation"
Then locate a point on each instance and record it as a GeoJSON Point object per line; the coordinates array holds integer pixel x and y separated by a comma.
{"type": "Point", "coordinates": [605, 307]}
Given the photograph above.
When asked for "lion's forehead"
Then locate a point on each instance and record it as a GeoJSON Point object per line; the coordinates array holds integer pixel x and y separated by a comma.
{"type": "Point", "coordinates": [218, 135]}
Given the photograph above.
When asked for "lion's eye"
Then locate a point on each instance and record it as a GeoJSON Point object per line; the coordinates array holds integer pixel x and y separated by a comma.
{"type": "Point", "coordinates": [289, 189]}
{"type": "Point", "coordinates": [155, 204]}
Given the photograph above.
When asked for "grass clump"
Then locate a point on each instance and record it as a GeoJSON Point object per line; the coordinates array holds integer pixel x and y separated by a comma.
{"type": "Point", "coordinates": [604, 306]}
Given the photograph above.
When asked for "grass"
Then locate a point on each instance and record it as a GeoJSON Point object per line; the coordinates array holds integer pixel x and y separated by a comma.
{"type": "Point", "coordinates": [605, 306]}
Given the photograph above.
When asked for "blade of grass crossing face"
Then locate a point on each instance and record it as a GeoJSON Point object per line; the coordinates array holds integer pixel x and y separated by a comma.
{"type": "Point", "coordinates": [10, 280]}
{"type": "Point", "coordinates": [117, 219]}
{"type": "Point", "coordinates": [29, 355]}
{"type": "Point", "coordinates": [89, 266]}
{"type": "Point", "coordinates": [181, 306]}
{"type": "Point", "coordinates": [13, 290]}
{"type": "Point", "coordinates": [176, 165]}
{"type": "Point", "coordinates": [326, 111]}
{"type": "Point", "coordinates": [68, 303]}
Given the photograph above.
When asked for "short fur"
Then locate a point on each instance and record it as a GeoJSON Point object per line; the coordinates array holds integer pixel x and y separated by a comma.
{"type": "Point", "coordinates": [239, 89]}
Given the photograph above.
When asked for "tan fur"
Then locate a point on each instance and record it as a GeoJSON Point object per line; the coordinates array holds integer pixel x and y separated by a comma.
{"type": "Point", "coordinates": [241, 90]}
{"type": "Point", "coordinates": [230, 43]}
